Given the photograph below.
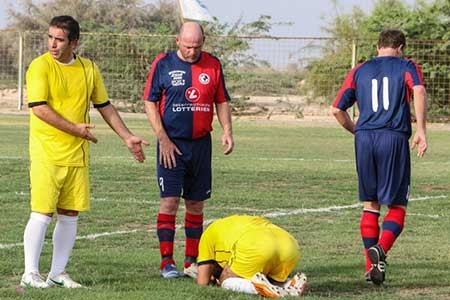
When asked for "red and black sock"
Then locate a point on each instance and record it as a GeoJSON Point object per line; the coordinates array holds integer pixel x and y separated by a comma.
{"type": "Point", "coordinates": [370, 231]}
{"type": "Point", "coordinates": [392, 227]}
{"type": "Point", "coordinates": [166, 236]}
{"type": "Point", "coordinates": [193, 227]}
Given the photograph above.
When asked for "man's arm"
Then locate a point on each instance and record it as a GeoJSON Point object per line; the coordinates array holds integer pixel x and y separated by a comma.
{"type": "Point", "coordinates": [420, 107]}
{"type": "Point", "coordinates": [47, 114]}
{"type": "Point", "coordinates": [204, 273]}
{"type": "Point", "coordinates": [134, 143]}
{"type": "Point", "coordinates": [224, 116]}
{"type": "Point", "coordinates": [167, 149]}
{"type": "Point", "coordinates": [344, 119]}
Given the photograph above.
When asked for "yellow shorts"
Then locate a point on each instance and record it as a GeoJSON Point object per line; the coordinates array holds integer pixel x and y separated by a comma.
{"type": "Point", "coordinates": [58, 187]}
{"type": "Point", "coordinates": [271, 250]}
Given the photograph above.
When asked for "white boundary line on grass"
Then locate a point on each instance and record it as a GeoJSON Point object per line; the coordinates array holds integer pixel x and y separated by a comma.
{"type": "Point", "coordinates": [267, 215]}
{"type": "Point", "coordinates": [235, 158]}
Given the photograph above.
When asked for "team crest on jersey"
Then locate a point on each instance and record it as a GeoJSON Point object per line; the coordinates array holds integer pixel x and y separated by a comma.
{"type": "Point", "coordinates": [203, 78]}
{"type": "Point", "coordinates": [177, 77]}
{"type": "Point", "coordinates": [192, 94]}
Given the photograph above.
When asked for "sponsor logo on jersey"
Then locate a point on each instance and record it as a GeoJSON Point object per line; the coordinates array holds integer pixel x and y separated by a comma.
{"type": "Point", "coordinates": [177, 77]}
{"type": "Point", "coordinates": [192, 94]}
{"type": "Point", "coordinates": [191, 107]}
{"type": "Point", "coordinates": [203, 78]}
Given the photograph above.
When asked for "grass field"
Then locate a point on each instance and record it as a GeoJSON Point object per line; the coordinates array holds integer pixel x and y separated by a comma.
{"type": "Point", "coordinates": [301, 177]}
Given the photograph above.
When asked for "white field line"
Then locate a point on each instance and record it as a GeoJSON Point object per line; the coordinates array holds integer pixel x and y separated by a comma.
{"type": "Point", "coordinates": [125, 201]}
{"type": "Point", "coordinates": [268, 215]}
{"type": "Point", "coordinates": [426, 216]}
{"type": "Point", "coordinates": [336, 208]}
{"type": "Point", "coordinates": [181, 208]}
{"type": "Point", "coordinates": [108, 158]}
{"type": "Point", "coordinates": [215, 158]}
{"type": "Point", "coordinates": [15, 157]}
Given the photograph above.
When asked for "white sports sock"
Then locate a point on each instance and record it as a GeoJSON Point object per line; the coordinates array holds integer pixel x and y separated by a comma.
{"type": "Point", "coordinates": [63, 240]}
{"type": "Point", "coordinates": [239, 285]}
{"type": "Point", "coordinates": [33, 240]}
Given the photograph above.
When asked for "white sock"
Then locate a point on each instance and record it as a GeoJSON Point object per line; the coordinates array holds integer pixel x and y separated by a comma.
{"type": "Point", "coordinates": [33, 240]}
{"type": "Point", "coordinates": [239, 285]}
{"type": "Point", "coordinates": [63, 240]}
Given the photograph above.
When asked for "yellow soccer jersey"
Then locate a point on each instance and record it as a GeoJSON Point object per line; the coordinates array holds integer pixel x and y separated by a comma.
{"type": "Point", "coordinates": [218, 239]}
{"type": "Point", "coordinates": [248, 245]}
{"type": "Point", "coordinates": [68, 89]}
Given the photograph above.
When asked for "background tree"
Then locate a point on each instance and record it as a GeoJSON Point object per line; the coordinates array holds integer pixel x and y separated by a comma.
{"type": "Point", "coordinates": [427, 21]}
{"type": "Point", "coordinates": [124, 36]}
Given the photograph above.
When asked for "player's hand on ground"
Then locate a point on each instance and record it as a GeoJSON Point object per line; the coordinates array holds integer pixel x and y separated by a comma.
{"type": "Point", "coordinates": [420, 141]}
{"type": "Point", "coordinates": [167, 151]}
{"type": "Point", "coordinates": [82, 130]}
{"type": "Point", "coordinates": [227, 140]}
{"type": "Point", "coordinates": [134, 144]}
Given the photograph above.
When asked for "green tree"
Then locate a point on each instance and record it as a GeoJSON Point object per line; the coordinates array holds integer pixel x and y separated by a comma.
{"type": "Point", "coordinates": [120, 52]}
{"type": "Point", "coordinates": [120, 16]}
{"type": "Point", "coordinates": [426, 27]}
{"type": "Point", "coordinates": [124, 36]}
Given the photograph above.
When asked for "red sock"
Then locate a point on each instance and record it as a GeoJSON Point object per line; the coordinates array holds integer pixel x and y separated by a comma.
{"type": "Point", "coordinates": [193, 227]}
{"type": "Point", "coordinates": [166, 235]}
{"type": "Point", "coordinates": [370, 231]}
{"type": "Point", "coordinates": [392, 227]}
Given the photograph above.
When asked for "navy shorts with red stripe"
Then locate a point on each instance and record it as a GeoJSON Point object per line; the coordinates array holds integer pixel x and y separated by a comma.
{"type": "Point", "coordinates": [384, 166]}
{"type": "Point", "coordinates": [191, 178]}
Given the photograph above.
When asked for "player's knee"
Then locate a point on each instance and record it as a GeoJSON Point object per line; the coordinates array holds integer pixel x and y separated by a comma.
{"type": "Point", "coordinates": [194, 207]}
{"type": "Point", "coordinates": [169, 205]}
{"type": "Point", "coordinates": [67, 212]}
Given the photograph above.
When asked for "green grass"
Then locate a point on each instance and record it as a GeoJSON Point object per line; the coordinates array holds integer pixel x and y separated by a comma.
{"type": "Point", "coordinates": [275, 168]}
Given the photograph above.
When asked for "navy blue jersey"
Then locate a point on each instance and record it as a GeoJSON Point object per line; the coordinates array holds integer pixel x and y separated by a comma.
{"type": "Point", "coordinates": [382, 88]}
{"type": "Point", "coordinates": [186, 93]}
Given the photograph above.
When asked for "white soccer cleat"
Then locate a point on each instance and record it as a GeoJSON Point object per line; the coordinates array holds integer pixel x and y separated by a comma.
{"type": "Point", "coordinates": [191, 271]}
{"type": "Point", "coordinates": [34, 280]}
{"type": "Point", "coordinates": [296, 285]}
{"type": "Point", "coordinates": [265, 288]}
{"type": "Point", "coordinates": [63, 280]}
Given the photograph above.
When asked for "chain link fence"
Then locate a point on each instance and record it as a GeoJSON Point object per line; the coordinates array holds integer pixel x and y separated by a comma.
{"type": "Point", "coordinates": [302, 72]}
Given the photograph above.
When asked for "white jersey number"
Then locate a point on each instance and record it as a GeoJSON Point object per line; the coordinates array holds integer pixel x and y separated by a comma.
{"type": "Point", "coordinates": [385, 94]}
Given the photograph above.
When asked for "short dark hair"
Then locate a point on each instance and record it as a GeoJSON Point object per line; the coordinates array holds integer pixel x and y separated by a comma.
{"type": "Point", "coordinates": [391, 38]}
{"type": "Point", "coordinates": [69, 24]}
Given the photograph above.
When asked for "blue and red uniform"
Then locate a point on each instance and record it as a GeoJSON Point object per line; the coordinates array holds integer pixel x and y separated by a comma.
{"type": "Point", "coordinates": [382, 88]}
{"type": "Point", "coordinates": [186, 93]}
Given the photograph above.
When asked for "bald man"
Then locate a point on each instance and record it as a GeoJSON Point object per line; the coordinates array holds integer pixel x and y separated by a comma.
{"type": "Point", "coordinates": [182, 89]}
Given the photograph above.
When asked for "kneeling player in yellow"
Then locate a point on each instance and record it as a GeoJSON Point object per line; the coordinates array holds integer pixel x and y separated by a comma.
{"type": "Point", "coordinates": [251, 255]}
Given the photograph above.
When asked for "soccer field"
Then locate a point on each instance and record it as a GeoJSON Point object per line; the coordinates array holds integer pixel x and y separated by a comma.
{"type": "Point", "coordinates": [300, 176]}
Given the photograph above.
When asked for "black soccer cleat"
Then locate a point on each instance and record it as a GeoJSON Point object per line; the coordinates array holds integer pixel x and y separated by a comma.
{"type": "Point", "coordinates": [378, 259]}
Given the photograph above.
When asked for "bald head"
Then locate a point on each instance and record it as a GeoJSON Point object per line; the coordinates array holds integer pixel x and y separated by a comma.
{"type": "Point", "coordinates": [190, 41]}
{"type": "Point", "coordinates": [191, 30]}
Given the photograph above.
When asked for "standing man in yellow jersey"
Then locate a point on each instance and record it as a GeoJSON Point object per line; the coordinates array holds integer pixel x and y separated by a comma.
{"type": "Point", "coordinates": [251, 255]}
{"type": "Point", "coordinates": [60, 87]}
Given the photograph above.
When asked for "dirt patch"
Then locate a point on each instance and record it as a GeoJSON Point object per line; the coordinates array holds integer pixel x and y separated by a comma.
{"type": "Point", "coordinates": [290, 105]}
{"type": "Point", "coordinates": [9, 101]}
{"type": "Point", "coordinates": [283, 108]}
{"type": "Point", "coordinates": [278, 109]}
